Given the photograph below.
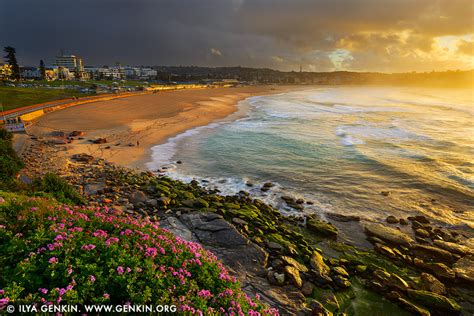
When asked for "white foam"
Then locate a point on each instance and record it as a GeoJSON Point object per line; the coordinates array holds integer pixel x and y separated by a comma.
{"type": "Point", "coordinates": [351, 141]}
{"type": "Point", "coordinates": [163, 154]}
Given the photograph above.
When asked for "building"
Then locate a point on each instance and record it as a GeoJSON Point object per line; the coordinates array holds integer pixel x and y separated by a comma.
{"type": "Point", "coordinates": [73, 63]}
{"type": "Point", "coordinates": [148, 73]}
{"type": "Point", "coordinates": [110, 73]}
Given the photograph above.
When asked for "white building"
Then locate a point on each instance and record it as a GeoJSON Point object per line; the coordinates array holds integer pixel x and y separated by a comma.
{"type": "Point", "coordinates": [147, 73]}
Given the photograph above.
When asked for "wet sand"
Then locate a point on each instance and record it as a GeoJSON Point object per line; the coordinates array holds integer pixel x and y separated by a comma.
{"type": "Point", "coordinates": [135, 124]}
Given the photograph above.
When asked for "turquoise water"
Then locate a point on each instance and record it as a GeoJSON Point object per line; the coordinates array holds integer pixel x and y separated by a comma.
{"type": "Point", "coordinates": [340, 148]}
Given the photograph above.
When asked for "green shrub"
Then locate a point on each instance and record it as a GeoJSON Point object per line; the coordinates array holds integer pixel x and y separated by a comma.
{"type": "Point", "coordinates": [84, 255]}
{"type": "Point", "coordinates": [5, 135]}
{"type": "Point", "coordinates": [59, 188]}
{"type": "Point", "coordinates": [10, 163]}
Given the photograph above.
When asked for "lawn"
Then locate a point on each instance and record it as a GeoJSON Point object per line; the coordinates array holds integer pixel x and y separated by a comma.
{"type": "Point", "coordinates": [15, 97]}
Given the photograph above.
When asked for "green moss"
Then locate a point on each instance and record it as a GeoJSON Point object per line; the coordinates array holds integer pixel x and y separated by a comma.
{"type": "Point", "coordinates": [434, 301]}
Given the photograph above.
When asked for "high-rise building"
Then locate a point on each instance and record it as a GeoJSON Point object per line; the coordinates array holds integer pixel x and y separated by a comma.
{"type": "Point", "coordinates": [71, 62]}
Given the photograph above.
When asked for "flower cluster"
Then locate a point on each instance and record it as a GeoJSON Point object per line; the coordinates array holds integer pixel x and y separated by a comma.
{"type": "Point", "coordinates": [95, 255]}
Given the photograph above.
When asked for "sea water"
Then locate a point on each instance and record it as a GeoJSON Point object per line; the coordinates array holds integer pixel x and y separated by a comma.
{"type": "Point", "coordinates": [365, 151]}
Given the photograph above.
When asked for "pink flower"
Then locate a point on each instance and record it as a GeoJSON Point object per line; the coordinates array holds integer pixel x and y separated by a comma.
{"type": "Point", "coordinates": [69, 271]}
{"type": "Point", "coordinates": [120, 270]}
{"type": "Point", "coordinates": [100, 233]}
{"type": "Point", "coordinates": [151, 252]}
{"type": "Point", "coordinates": [92, 278]}
{"type": "Point", "coordinates": [88, 247]}
{"type": "Point", "coordinates": [42, 290]}
{"type": "Point", "coordinates": [53, 260]}
{"type": "Point", "coordinates": [3, 302]}
{"type": "Point", "coordinates": [128, 270]}
{"type": "Point", "coordinates": [111, 240]}
{"type": "Point", "coordinates": [204, 293]}
{"type": "Point", "coordinates": [106, 296]}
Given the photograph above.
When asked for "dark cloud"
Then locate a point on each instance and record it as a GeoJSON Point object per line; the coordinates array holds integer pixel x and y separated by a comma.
{"type": "Point", "coordinates": [379, 35]}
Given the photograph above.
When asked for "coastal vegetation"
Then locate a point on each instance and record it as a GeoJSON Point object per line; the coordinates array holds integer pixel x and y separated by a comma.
{"type": "Point", "coordinates": [53, 254]}
{"type": "Point", "coordinates": [10, 163]}
{"type": "Point", "coordinates": [57, 253]}
{"type": "Point", "coordinates": [49, 250]}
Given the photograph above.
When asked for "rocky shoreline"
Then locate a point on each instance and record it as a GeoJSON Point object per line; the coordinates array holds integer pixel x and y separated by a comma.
{"type": "Point", "coordinates": [296, 264]}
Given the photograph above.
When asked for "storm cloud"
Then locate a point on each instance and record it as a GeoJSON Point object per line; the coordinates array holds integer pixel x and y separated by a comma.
{"type": "Point", "coordinates": [373, 35]}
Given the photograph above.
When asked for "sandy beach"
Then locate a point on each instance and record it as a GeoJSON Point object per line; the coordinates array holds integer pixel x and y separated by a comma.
{"type": "Point", "coordinates": [133, 125]}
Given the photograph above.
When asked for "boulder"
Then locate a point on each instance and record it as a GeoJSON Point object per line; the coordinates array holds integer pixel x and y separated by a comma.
{"type": "Point", "coordinates": [223, 239]}
{"type": "Point", "coordinates": [340, 271]}
{"type": "Point", "coordinates": [138, 197]}
{"type": "Point", "coordinates": [163, 201]}
{"type": "Point", "coordinates": [412, 308]}
{"type": "Point", "coordinates": [438, 269]}
{"type": "Point", "coordinates": [397, 282]}
{"type": "Point", "coordinates": [317, 263]}
{"type": "Point", "coordinates": [292, 262]}
{"type": "Point", "coordinates": [434, 301]}
{"type": "Point", "coordinates": [341, 281]}
{"type": "Point", "coordinates": [431, 284]}
{"type": "Point", "coordinates": [388, 234]}
{"type": "Point", "coordinates": [426, 252]}
{"type": "Point", "coordinates": [177, 228]}
{"type": "Point", "coordinates": [100, 141]}
{"type": "Point", "coordinates": [239, 222]}
{"type": "Point", "coordinates": [403, 221]}
{"type": "Point", "coordinates": [391, 219]}
{"type": "Point", "coordinates": [82, 158]}
{"type": "Point", "coordinates": [422, 233]}
{"type": "Point", "coordinates": [274, 246]}
{"type": "Point", "coordinates": [453, 247]}
{"type": "Point", "coordinates": [280, 278]}
{"type": "Point", "coordinates": [322, 228]}
{"type": "Point", "coordinates": [464, 269]}
{"type": "Point", "coordinates": [294, 275]}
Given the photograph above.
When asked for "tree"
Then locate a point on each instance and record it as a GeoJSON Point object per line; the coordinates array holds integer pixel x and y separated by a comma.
{"type": "Point", "coordinates": [11, 59]}
{"type": "Point", "coordinates": [42, 70]}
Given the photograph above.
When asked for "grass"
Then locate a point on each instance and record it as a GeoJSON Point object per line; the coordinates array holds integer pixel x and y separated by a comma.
{"type": "Point", "coordinates": [15, 97]}
{"type": "Point", "coordinates": [88, 83]}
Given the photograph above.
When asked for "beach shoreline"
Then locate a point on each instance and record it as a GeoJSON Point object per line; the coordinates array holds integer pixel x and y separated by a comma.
{"type": "Point", "coordinates": [132, 126]}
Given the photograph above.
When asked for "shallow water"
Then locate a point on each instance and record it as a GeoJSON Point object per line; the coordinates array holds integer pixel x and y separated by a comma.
{"type": "Point", "coordinates": [340, 148]}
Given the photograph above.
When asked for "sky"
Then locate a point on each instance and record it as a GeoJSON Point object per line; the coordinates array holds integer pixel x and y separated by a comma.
{"type": "Point", "coordinates": [326, 35]}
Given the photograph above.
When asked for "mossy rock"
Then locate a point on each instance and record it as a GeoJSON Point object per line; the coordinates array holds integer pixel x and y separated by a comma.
{"type": "Point", "coordinates": [201, 203]}
{"type": "Point", "coordinates": [232, 206]}
{"type": "Point", "coordinates": [322, 228]}
{"type": "Point", "coordinates": [434, 301]}
{"type": "Point", "coordinates": [162, 189]}
{"type": "Point", "coordinates": [290, 247]}
{"type": "Point", "coordinates": [186, 195]}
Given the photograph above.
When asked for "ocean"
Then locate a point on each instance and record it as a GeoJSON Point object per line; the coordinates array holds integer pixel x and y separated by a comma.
{"type": "Point", "coordinates": [365, 151]}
